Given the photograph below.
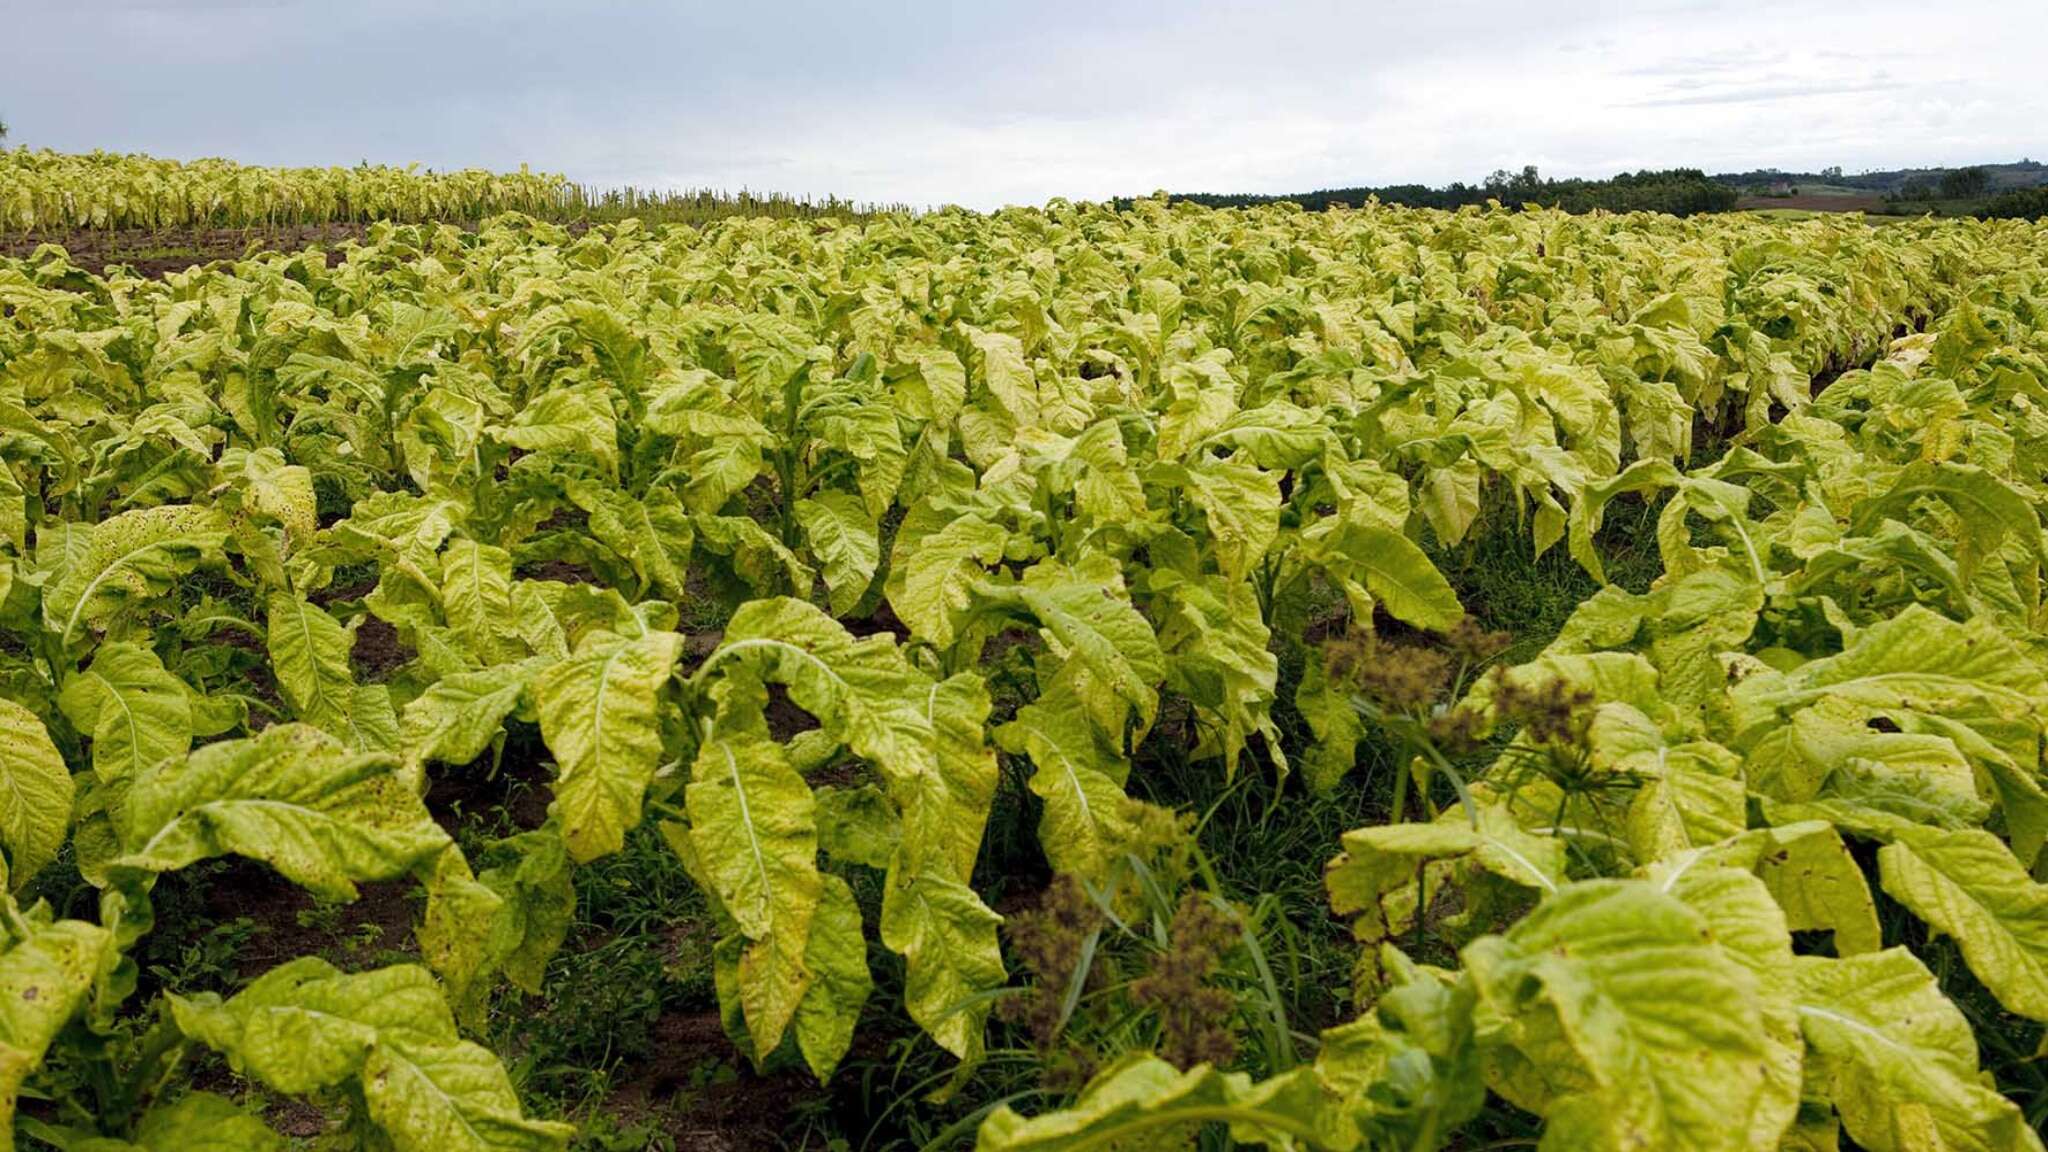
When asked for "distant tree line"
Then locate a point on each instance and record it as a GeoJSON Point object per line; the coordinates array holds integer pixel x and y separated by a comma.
{"type": "Point", "coordinates": [1678, 191]}
{"type": "Point", "coordinates": [1758, 178]}
{"type": "Point", "coordinates": [2018, 204]}
{"type": "Point", "coordinates": [1951, 184]}
{"type": "Point", "coordinates": [1898, 183]}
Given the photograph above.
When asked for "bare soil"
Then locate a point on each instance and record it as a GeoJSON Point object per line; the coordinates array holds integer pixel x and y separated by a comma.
{"type": "Point", "coordinates": [1812, 203]}
{"type": "Point", "coordinates": [690, 1091]}
{"type": "Point", "coordinates": [294, 924]}
{"type": "Point", "coordinates": [153, 253]}
{"type": "Point", "coordinates": [521, 787]}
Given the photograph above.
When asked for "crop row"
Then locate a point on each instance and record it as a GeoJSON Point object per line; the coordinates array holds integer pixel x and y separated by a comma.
{"type": "Point", "coordinates": [1021, 490]}
{"type": "Point", "coordinates": [53, 193]}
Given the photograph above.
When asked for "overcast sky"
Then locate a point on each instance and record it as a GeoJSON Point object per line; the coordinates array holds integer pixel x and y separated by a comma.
{"type": "Point", "coordinates": [986, 102]}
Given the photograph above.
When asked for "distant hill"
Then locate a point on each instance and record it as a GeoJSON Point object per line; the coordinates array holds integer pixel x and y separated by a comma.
{"type": "Point", "coordinates": [1685, 191]}
{"type": "Point", "coordinates": [1887, 182]}
{"type": "Point", "coordinates": [1679, 191]}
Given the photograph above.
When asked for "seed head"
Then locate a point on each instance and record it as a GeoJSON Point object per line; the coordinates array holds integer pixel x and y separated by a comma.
{"type": "Point", "coordinates": [1048, 940]}
{"type": "Point", "coordinates": [1405, 678]}
{"type": "Point", "coordinates": [1458, 730]}
{"type": "Point", "coordinates": [1194, 1014]}
{"type": "Point", "coordinates": [1552, 712]}
{"type": "Point", "coordinates": [1472, 645]}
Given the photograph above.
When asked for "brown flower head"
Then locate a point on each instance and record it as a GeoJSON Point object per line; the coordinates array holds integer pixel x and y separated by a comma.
{"type": "Point", "coordinates": [1194, 1014]}
{"type": "Point", "coordinates": [1550, 712]}
{"type": "Point", "coordinates": [1049, 941]}
{"type": "Point", "coordinates": [1405, 678]}
{"type": "Point", "coordinates": [1472, 645]}
{"type": "Point", "coordinates": [1458, 730]}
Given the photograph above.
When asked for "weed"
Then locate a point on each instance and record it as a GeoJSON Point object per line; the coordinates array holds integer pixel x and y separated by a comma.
{"type": "Point", "coordinates": [208, 962]}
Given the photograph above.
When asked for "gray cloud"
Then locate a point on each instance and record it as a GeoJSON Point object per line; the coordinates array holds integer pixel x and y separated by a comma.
{"type": "Point", "coordinates": [1006, 101]}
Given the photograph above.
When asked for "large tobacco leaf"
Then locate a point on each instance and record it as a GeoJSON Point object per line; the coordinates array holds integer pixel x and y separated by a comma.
{"type": "Point", "coordinates": [48, 970]}
{"type": "Point", "coordinates": [324, 816]}
{"type": "Point", "coordinates": [753, 824]}
{"type": "Point", "coordinates": [1616, 1013]}
{"type": "Point", "coordinates": [305, 1026]}
{"type": "Point", "coordinates": [1897, 1058]}
{"type": "Point", "coordinates": [35, 794]}
{"type": "Point", "coordinates": [137, 713]}
{"type": "Point", "coordinates": [599, 714]}
{"type": "Point", "coordinates": [128, 561]}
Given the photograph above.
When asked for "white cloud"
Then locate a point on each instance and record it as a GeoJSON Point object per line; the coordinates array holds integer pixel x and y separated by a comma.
{"type": "Point", "coordinates": [993, 103]}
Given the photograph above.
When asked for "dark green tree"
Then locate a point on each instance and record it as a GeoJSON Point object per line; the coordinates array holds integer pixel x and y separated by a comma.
{"type": "Point", "coordinates": [1680, 191]}
{"type": "Point", "coordinates": [1965, 183]}
{"type": "Point", "coordinates": [2018, 204]}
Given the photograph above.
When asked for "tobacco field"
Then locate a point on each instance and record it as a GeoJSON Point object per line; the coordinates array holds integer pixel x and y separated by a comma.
{"type": "Point", "coordinates": [1051, 679]}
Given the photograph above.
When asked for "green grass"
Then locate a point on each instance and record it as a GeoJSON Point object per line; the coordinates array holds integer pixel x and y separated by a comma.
{"type": "Point", "coordinates": [1503, 583]}
{"type": "Point", "coordinates": [640, 947]}
{"type": "Point", "coordinates": [1914, 209]}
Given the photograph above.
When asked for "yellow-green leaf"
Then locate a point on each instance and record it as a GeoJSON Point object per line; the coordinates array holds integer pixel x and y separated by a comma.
{"type": "Point", "coordinates": [1969, 886]}
{"type": "Point", "coordinates": [843, 538]}
{"type": "Point", "coordinates": [294, 798]}
{"type": "Point", "coordinates": [45, 979]}
{"type": "Point", "coordinates": [136, 713]}
{"type": "Point", "coordinates": [1898, 1060]}
{"type": "Point", "coordinates": [35, 794]}
{"type": "Point", "coordinates": [599, 713]}
{"type": "Point", "coordinates": [753, 828]}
